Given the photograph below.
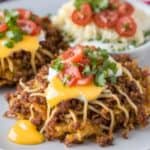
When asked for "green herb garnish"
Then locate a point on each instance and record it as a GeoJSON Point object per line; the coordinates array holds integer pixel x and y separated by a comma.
{"type": "Point", "coordinates": [147, 33]}
{"type": "Point", "coordinates": [100, 79]}
{"type": "Point", "coordinates": [102, 67]}
{"type": "Point", "coordinates": [110, 65]}
{"type": "Point", "coordinates": [104, 54]}
{"type": "Point", "coordinates": [57, 64]}
{"type": "Point", "coordinates": [113, 79]}
{"type": "Point", "coordinates": [97, 5]}
{"type": "Point", "coordinates": [134, 42]}
{"type": "Point", "coordinates": [15, 34]}
{"type": "Point", "coordinates": [8, 44]}
{"type": "Point", "coordinates": [11, 17]}
{"type": "Point", "coordinates": [99, 37]}
{"type": "Point", "coordinates": [87, 70]}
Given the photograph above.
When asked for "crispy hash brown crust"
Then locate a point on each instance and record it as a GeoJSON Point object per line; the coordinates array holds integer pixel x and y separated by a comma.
{"type": "Point", "coordinates": [18, 65]}
{"type": "Point", "coordinates": [122, 108]}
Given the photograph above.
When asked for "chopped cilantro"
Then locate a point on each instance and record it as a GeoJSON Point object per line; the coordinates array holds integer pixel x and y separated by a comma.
{"type": "Point", "coordinates": [99, 37]}
{"type": "Point", "coordinates": [8, 44]}
{"type": "Point", "coordinates": [147, 33]}
{"type": "Point", "coordinates": [100, 79]}
{"type": "Point", "coordinates": [110, 65]}
{"type": "Point", "coordinates": [104, 53]}
{"type": "Point", "coordinates": [134, 42]}
{"type": "Point", "coordinates": [113, 79]}
{"type": "Point", "coordinates": [97, 5]}
{"type": "Point", "coordinates": [100, 5]}
{"type": "Point", "coordinates": [87, 70]}
{"type": "Point", "coordinates": [11, 17]}
{"type": "Point", "coordinates": [15, 34]}
{"type": "Point", "coordinates": [100, 65]}
{"type": "Point", "coordinates": [57, 64]}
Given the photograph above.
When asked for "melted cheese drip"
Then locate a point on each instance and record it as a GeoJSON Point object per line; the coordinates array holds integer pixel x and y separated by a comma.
{"type": "Point", "coordinates": [29, 43]}
{"type": "Point", "coordinates": [24, 132]}
{"type": "Point", "coordinates": [58, 92]}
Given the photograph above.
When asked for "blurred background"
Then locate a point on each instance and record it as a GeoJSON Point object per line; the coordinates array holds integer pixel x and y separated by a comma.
{"type": "Point", "coordinates": [46, 7]}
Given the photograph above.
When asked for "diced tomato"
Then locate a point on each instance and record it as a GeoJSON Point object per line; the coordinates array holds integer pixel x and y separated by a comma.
{"type": "Point", "coordinates": [125, 9]}
{"type": "Point", "coordinates": [84, 16]}
{"type": "Point", "coordinates": [37, 19]}
{"type": "Point", "coordinates": [73, 74]}
{"type": "Point", "coordinates": [126, 26]}
{"type": "Point", "coordinates": [114, 4]}
{"type": "Point", "coordinates": [73, 71]}
{"type": "Point", "coordinates": [72, 81]}
{"type": "Point", "coordinates": [85, 80]}
{"type": "Point", "coordinates": [74, 62]}
{"type": "Point", "coordinates": [37, 30]}
{"type": "Point", "coordinates": [73, 54]}
{"type": "Point", "coordinates": [23, 13]}
{"type": "Point", "coordinates": [85, 61]}
{"type": "Point", "coordinates": [28, 26]}
{"type": "Point", "coordinates": [67, 54]}
{"type": "Point", "coordinates": [106, 18]}
{"type": "Point", "coordinates": [3, 27]}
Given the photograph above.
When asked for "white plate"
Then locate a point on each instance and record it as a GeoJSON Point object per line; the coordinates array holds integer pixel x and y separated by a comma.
{"type": "Point", "coordinates": [138, 140]}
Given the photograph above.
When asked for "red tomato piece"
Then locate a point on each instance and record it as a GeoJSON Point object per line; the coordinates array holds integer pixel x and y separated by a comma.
{"type": "Point", "coordinates": [28, 26]}
{"type": "Point", "coordinates": [73, 74]}
{"type": "Point", "coordinates": [72, 82]}
{"type": "Point", "coordinates": [73, 54]}
{"type": "Point", "coordinates": [37, 20]}
{"type": "Point", "coordinates": [67, 54]}
{"type": "Point", "coordinates": [84, 16]}
{"type": "Point", "coordinates": [73, 71]}
{"type": "Point", "coordinates": [126, 26]}
{"type": "Point", "coordinates": [125, 9]}
{"type": "Point", "coordinates": [85, 80]}
{"type": "Point", "coordinates": [23, 13]}
{"type": "Point", "coordinates": [37, 30]}
{"type": "Point", "coordinates": [106, 19]}
{"type": "Point", "coordinates": [3, 27]}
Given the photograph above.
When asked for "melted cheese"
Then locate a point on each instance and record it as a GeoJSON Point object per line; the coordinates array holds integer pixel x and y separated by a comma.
{"type": "Point", "coordinates": [29, 43]}
{"type": "Point", "coordinates": [24, 132]}
{"type": "Point", "coordinates": [58, 92]}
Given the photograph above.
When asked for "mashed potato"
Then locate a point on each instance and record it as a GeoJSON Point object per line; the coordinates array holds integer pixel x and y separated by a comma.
{"type": "Point", "coordinates": [79, 34]}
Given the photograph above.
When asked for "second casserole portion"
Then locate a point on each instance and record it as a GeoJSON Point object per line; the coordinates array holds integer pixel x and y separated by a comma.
{"type": "Point", "coordinates": [27, 42]}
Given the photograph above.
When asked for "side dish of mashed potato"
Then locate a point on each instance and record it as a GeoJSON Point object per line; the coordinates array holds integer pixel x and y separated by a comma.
{"type": "Point", "coordinates": [81, 34]}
